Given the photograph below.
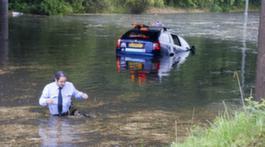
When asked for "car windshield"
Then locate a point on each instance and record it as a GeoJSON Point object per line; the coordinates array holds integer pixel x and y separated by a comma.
{"type": "Point", "coordinates": [150, 35]}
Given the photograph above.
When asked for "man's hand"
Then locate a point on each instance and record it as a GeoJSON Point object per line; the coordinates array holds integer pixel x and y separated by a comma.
{"type": "Point", "coordinates": [84, 96]}
{"type": "Point", "coordinates": [49, 101]}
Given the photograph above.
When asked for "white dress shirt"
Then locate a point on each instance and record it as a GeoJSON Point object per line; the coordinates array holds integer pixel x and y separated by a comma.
{"type": "Point", "coordinates": [52, 90]}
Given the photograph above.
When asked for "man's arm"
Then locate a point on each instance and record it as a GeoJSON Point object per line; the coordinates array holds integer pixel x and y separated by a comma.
{"type": "Point", "coordinates": [44, 96]}
{"type": "Point", "coordinates": [78, 94]}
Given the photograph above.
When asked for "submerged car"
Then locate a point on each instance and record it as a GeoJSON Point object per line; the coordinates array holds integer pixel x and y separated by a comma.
{"type": "Point", "coordinates": [150, 41]}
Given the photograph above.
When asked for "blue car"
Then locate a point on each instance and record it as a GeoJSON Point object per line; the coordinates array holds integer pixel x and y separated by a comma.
{"type": "Point", "coordinates": [151, 41]}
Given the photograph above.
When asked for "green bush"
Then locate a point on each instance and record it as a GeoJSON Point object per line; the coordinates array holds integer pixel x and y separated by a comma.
{"type": "Point", "coordinates": [215, 8]}
{"type": "Point", "coordinates": [77, 5]}
{"type": "Point", "coordinates": [95, 6]}
{"type": "Point", "coordinates": [156, 3]}
{"type": "Point", "coordinates": [139, 6]}
{"type": "Point", "coordinates": [55, 7]}
{"type": "Point", "coordinates": [21, 6]}
{"type": "Point", "coordinates": [136, 6]}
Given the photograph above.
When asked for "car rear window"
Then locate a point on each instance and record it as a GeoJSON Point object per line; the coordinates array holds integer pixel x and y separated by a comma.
{"type": "Point", "coordinates": [142, 35]}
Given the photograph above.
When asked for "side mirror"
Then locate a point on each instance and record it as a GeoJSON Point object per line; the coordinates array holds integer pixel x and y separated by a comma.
{"type": "Point", "coordinates": [192, 49]}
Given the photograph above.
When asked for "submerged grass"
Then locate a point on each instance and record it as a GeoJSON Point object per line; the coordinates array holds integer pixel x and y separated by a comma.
{"type": "Point", "coordinates": [243, 128]}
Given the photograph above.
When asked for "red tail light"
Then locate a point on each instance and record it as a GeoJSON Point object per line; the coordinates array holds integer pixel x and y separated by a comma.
{"type": "Point", "coordinates": [118, 45]}
{"type": "Point", "coordinates": [156, 46]}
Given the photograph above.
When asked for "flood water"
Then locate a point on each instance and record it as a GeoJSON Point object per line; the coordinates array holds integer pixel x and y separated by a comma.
{"type": "Point", "coordinates": [136, 101]}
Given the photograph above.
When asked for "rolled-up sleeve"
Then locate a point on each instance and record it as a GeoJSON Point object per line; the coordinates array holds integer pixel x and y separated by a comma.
{"type": "Point", "coordinates": [77, 94]}
{"type": "Point", "coordinates": [44, 96]}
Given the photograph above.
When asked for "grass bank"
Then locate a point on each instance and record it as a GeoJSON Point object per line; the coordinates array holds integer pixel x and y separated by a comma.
{"type": "Point", "coordinates": [242, 128]}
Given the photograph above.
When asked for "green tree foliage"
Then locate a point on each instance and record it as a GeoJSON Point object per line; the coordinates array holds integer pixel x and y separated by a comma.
{"type": "Point", "coordinates": [96, 6]}
{"type": "Point", "coordinates": [55, 7]}
{"type": "Point", "coordinates": [52, 7]}
{"type": "Point", "coordinates": [139, 6]}
{"type": "Point", "coordinates": [213, 5]}
{"type": "Point", "coordinates": [78, 6]}
{"type": "Point", "coordinates": [136, 6]}
{"type": "Point", "coordinates": [27, 6]}
{"type": "Point", "coordinates": [47, 7]}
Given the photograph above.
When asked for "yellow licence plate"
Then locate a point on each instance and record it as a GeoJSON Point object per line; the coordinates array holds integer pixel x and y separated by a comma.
{"type": "Point", "coordinates": [135, 65]}
{"type": "Point", "coordinates": [136, 45]}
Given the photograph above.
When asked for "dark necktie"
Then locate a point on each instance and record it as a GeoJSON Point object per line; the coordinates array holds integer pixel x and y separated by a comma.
{"type": "Point", "coordinates": [60, 101]}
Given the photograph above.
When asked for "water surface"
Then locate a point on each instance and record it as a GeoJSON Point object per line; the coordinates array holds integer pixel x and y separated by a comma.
{"type": "Point", "coordinates": [142, 102]}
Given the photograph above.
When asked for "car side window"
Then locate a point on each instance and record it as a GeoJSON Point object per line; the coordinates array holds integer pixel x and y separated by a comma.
{"type": "Point", "coordinates": [176, 39]}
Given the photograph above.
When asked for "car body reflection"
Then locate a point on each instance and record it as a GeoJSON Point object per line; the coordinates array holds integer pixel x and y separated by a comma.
{"type": "Point", "coordinates": [142, 68]}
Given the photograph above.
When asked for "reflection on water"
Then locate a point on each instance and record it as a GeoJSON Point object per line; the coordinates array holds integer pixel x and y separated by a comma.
{"type": "Point", "coordinates": [167, 63]}
{"type": "Point", "coordinates": [3, 52]}
{"type": "Point", "coordinates": [142, 68]}
{"type": "Point", "coordinates": [57, 131]}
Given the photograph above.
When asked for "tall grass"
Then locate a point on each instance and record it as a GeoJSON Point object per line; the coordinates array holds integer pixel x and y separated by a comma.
{"type": "Point", "coordinates": [242, 128]}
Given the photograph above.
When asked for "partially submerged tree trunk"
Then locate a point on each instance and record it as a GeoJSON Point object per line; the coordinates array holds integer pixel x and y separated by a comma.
{"type": "Point", "coordinates": [3, 19]}
{"type": "Point", "coordinates": [3, 31]}
{"type": "Point", "coordinates": [260, 75]}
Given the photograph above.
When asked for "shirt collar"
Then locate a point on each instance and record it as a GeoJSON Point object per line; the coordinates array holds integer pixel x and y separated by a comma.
{"type": "Point", "coordinates": [57, 86]}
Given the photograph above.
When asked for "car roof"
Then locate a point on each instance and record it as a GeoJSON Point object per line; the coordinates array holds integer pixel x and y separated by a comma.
{"type": "Point", "coordinates": [149, 28]}
{"type": "Point", "coordinates": [152, 31]}
{"type": "Point", "coordinates": [152, 35]}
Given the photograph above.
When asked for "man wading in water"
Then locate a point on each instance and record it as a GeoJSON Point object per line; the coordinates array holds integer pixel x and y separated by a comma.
{"type": "Point", "coordinates": [58, 96]}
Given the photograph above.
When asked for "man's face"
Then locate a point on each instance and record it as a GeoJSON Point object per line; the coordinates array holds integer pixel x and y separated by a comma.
{"type": "Point", "coordinates": [60, 82]}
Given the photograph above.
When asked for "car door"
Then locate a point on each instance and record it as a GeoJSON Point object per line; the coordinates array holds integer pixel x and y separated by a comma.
{"type": "Point", "coordinates": [165, 42]}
